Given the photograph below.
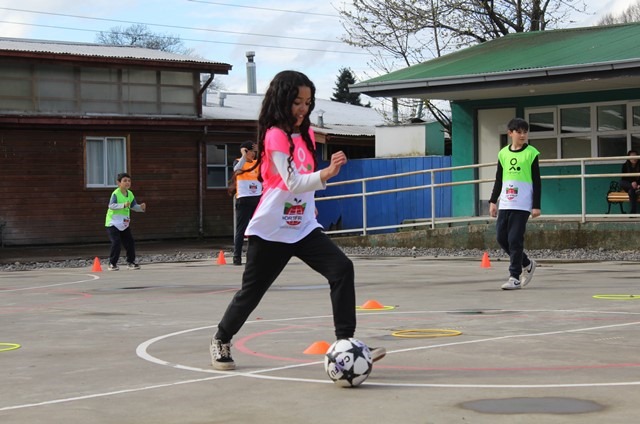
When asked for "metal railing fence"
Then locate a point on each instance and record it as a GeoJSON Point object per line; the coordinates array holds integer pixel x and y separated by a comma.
{"type": "Point", "coordinates": [364, 194]}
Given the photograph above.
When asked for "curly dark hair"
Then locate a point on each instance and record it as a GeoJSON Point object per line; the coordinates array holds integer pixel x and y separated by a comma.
{"type": "Point", "coordinates": [276, 112]}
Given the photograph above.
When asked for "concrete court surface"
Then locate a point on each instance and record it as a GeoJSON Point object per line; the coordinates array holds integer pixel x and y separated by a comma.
{"type": "Point", "coordinates": [132, 346]}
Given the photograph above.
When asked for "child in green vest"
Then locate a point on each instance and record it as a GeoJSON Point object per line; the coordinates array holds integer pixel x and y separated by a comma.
{"type": "Point", "coordinates": [518, 186]}
{"type": "Point", "coordinates": [121, 204]}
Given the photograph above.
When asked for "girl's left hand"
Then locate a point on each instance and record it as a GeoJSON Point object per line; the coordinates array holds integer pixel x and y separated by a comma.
{"type": "Point", "coordinates": [338, 159]}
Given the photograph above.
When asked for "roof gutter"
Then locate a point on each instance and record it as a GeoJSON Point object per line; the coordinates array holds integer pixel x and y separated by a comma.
{"type": "Point", "coordinates": [383, 87]}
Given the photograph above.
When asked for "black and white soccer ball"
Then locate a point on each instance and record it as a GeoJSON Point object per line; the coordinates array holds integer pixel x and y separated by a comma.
{"type": "Point", "coordinates": [348, 362]}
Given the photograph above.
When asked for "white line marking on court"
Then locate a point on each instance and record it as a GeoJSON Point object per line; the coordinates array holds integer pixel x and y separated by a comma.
{"type": "Point", "coordinates": [141, 351]}
{"type": "Point", "coordinates": [118, 392]}
{"type": "Point", "coordinates": [68, 283]}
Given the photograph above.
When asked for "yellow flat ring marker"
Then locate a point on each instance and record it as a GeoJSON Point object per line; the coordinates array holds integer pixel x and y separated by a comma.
{"type": "Point", "coordinates": [9, 346]}
{"type": "Point", "coordinates": [617, 296]}
{"type": "Point", "coordinates": [384, 308]}
{"type": "Point", "coordinates": [428, 332]}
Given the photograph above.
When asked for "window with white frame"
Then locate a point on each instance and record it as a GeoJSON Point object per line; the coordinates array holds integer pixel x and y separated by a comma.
{"type": "Point", "coordinates": [219, 165]}
{"type": "Point", "coordinates": [634, 109]}
{"type": "Point", "coordinates": [591, 130]}
{"type": "Point", "coordinates": [106, 158]}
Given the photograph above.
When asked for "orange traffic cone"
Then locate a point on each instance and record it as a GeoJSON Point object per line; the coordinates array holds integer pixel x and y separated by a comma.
{"type": "Point", "coordinates": [372, 304]}
{"type": "Point", "coordinates": [221, 260]}
{"type": "Point", "coordinates": [96, 265]}
{"type": "Point", "coordinates": [486, 263]}
{"type": "Point", "coordinates": [317, 348]}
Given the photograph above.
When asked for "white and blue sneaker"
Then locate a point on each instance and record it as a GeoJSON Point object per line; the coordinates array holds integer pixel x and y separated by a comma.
{"type": "Point", "coordinates": [512, 284]}
{"type": "Point", "coordinates": [527, 273]}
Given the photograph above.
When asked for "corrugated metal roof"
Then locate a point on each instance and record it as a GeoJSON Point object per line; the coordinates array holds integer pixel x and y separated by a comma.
{"type": "Point", "coordinates": [540, 50]}
{"type": "Point", "coordinates": [346, 130]}
{"type": "Point", "coordinates": [339, 118]}
{"type": "Point", "coordinates": [96, 50]}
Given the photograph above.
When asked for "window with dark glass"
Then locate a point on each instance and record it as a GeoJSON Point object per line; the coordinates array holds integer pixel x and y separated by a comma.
{"type": "Point", "coordinates": [220, 159]}
{"type": "Point", "coordinates": [575, 120]}
{"type": "Point", "coordinates": [541, 122]}
{"type": "Point", "coordinates": [612, 117]}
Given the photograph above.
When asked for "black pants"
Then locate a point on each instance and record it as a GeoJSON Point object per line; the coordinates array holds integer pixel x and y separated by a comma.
{"type": "Point", "coordinates": [510, 229]}
{"type": "Point", "coordinates": [633, 196]}
{"type": "Point", "coordinates": [118, 239]}
{"type": "Point", "coordinates": [245, 207]}
{"type": "Point", "coordinates": [267, 259]}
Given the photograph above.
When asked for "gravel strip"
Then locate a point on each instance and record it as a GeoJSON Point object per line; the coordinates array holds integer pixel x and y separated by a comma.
{"type": "Point", "coordinates": [567, 255]}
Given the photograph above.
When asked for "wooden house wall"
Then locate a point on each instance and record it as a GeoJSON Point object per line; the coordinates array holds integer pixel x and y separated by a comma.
{"type": "Point", "coordinates": [45, 201]}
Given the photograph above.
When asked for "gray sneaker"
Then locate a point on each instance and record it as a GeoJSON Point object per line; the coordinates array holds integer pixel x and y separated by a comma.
{"type": "Point", "coordinates": [221, 355]}
{"type": "Point", "coordinates": [512, 284]}
{"type": "Point", "coordinates": [113, 267]}
{"type": "Point", "coordinates": [133, 265]}
{"type": "Point", "coordinates": [527, 273]}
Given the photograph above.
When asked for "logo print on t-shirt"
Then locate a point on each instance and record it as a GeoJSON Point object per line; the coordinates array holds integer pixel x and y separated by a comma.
{"type": "Point", "coordinates": [293, 212]}
{"type": "Point", "coordinates": [511, 192]}
{"type": "Point", "coordinates": [305, 166]}
{"type": "Point", "coordinates": [514, 162]}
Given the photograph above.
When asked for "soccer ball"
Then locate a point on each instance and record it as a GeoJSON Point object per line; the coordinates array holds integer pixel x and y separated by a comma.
{"type": "Point", "coordinates": [348, 362]}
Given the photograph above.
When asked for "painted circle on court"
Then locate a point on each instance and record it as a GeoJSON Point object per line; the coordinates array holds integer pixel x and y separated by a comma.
{"type": "Point", "coordinates": [142, 352]}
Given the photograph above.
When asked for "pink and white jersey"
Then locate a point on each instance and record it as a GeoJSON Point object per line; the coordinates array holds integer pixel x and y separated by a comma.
{"type": "Point", "coordinates": [281, 215]}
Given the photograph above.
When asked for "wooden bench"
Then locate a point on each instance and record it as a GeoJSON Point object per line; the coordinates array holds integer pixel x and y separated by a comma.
{"type": "Point", "coordinates": [617, 195]}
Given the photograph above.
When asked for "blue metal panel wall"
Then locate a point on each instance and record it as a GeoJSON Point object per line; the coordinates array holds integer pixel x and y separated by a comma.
{"type": "Point", "coordinates": [385, 209]}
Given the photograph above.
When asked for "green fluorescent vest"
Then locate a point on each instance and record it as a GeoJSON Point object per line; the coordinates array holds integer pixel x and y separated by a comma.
{"type": "Point", "coordinates": [125, 212]}
{"type": "Point", "coordinates": [517, 181]}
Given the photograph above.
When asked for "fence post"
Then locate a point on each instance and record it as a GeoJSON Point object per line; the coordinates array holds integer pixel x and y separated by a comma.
{"type": "Point", "coordinates": [364, 208]}
{"type": "Point", "coordinates": [583, 189]}
{"type": "Point", "coordinates": [433, 199]}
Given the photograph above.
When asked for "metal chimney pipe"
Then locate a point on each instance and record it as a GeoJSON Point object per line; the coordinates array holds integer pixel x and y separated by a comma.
{"type": "Point", "coordinates": [251, 73]}
{"type": "Point", "coordinates": [320, 118]}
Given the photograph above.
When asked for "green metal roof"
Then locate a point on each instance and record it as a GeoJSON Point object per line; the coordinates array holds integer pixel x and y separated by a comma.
{"type": "Point", "coordinates": [529, 51]}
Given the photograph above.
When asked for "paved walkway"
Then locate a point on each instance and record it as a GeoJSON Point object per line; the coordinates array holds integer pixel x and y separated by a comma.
{"type": "Point", "coordinates": [132, 346]}
{"type": "Point", "coordinates": [90, 251]}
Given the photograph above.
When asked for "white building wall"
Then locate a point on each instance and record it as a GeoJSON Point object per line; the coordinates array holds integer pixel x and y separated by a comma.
{"type": "Point", "coordinates": [492, 123]}
{"type": "Point", "coordinates": [401, 140]}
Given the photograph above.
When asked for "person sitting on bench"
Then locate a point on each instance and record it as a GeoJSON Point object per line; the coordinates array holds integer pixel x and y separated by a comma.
{"type": "Point", "coordinates": [630, 184]}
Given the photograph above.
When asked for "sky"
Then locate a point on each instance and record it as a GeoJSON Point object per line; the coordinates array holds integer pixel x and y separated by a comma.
{"type": "Point", "coordinates": [297, 34]}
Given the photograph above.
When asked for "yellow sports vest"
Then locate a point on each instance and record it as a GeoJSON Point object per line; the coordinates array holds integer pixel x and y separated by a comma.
{"type": "Point", "coordinates": [119, 217]}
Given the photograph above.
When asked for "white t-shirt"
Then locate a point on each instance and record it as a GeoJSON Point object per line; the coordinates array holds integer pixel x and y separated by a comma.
{"type": "Point", "coordinates": [286, 212]}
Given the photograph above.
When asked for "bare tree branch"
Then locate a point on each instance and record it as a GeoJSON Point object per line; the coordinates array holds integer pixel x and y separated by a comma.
{"type": "Point", "coordinates": [141, 36]}
{"type": "Point", "coordinates": [401, 33]}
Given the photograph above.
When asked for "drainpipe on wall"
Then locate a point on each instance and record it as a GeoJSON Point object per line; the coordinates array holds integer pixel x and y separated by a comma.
{"type": "Point", "coordinates": [201, 170]}
{"type": "Point", "coordinates": [394, 108]}
{"type": "Point", "coordinates": [202, 94]}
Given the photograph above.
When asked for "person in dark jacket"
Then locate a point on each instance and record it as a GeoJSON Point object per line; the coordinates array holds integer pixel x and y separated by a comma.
{"type": "Point", "coordinates": [630, 183]}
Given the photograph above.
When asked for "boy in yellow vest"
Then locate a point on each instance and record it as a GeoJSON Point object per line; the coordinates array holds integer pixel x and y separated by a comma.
{"type": "Point", "coordinates": [121, 204]}
{"type": "Point", "coordinates": [518, 187]}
